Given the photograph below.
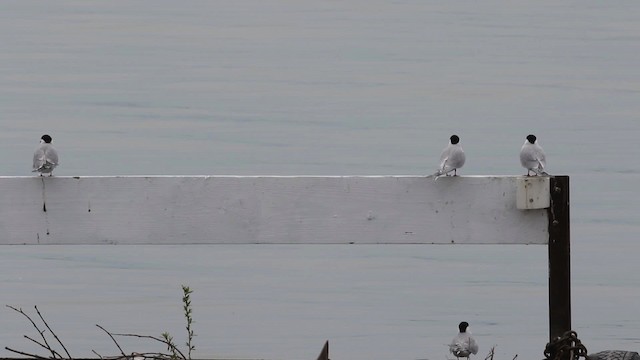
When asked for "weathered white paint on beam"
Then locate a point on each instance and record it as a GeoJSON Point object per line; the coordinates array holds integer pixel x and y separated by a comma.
{"type": "Point", "coordinates": [266, 209]}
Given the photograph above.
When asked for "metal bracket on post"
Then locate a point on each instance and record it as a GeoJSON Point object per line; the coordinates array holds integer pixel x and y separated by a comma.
{"type": "Point", "coordinates": [559, 258]}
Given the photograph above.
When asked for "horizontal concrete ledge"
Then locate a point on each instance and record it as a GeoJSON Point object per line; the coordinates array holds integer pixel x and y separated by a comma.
{"type": "Point", "coordinates": [266, 209]}
{"type": "Point", "coordinates": [268, 176]}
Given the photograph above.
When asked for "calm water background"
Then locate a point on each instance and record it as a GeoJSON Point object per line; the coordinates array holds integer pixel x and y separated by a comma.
{"type": "Point", "coordinates": [326, 88]}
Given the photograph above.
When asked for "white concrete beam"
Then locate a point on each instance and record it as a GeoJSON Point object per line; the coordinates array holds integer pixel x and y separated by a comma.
{"type": "Point", "coordinates": [266, 209]}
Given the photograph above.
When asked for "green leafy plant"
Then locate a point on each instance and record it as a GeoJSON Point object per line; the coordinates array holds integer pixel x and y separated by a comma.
{"type": "Point", "coordinates": [188, 315]}
{"type": "Point", "coordinates": [171, 346]}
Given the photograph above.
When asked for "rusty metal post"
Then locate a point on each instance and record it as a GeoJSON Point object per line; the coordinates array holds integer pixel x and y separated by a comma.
{"type": "Point", "coordinates": [559, 258]}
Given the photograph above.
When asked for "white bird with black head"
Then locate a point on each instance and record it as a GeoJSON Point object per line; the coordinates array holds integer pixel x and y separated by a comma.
{"type": "Point", "coordinates": [532, 157]}
{"type": "Point", "coordinates": [463, 345]}
{"type": "Point", "coordinates": [452, 158]}
{"type": "Point", "coordinates": [45, 158]}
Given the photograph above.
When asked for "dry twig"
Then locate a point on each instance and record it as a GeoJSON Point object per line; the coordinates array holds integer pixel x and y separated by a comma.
{"type": "Point", "coordinates": [112, 338]}
{"type": "Point", "coordinates": [491, 353]}
{"type": "Point", "coordinates": [171, 346]}
{"type": "Point", "coordinates": [45, 344]}
{"type": "Point", "coordinates": [53, 333]}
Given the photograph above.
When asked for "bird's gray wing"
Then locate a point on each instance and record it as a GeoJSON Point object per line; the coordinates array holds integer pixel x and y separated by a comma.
{"type": "Point", "coordinates": [541, 158]}
{"type": "Point", "coordinates": [38, 158]}
{"type": "Point", "coordinates": [444, 159]}
{"type": "Point", "coordinates": [51, 155]}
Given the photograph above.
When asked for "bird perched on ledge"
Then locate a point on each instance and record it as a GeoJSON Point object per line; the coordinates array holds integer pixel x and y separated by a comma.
{"type": "Point", "coordinates": [45, 158]}
{"type": "Point", "coordinates": [532, 156]}
{"type": "Point", "coordinates": [463, 345]}
{"type": "Point", "coordinates": [451, 159]}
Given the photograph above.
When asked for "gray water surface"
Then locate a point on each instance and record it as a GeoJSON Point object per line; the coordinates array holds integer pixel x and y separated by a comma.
{"type": "Point", "coordinates": [326, 88]}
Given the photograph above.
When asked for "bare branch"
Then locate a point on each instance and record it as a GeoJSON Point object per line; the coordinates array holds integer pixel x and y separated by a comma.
{"type": "Point", "coordinates": [112, 338]}
{"type": "Point", "coordinates": [170, 345]}
{"type": "Point", "coordinates": [26, 354]}
{"type": "Point", "coordinates": [52, 333]}
{"type": "Point", "coordinates": [491, 353]}
{"type": "Point", "coordinates": [42, 345]}
{"type": "Point", "coordinates": [41, 332]}
{"type": "Point", "coordinates": [156, 356]}
{"type": "Point", "coordinates": [35, 341]}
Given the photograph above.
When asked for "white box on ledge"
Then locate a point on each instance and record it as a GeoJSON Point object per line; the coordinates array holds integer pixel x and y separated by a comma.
{"type": "Point", "coordinates": [533, 193]}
